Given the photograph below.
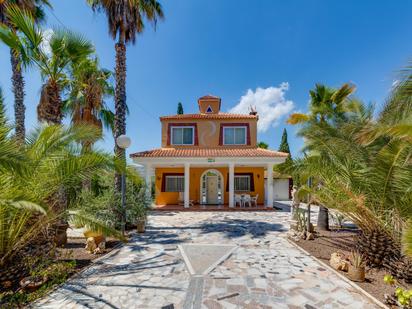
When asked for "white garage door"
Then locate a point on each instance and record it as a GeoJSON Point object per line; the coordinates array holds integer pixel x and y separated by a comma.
{"type": "Point", "coordinates": [281, 189]}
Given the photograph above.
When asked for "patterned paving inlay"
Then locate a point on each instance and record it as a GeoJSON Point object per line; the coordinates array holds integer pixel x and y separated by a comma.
{"type": "Point", "coordinates": [263, 271]}
{"type": "Point", "coordinates": [200, 259]}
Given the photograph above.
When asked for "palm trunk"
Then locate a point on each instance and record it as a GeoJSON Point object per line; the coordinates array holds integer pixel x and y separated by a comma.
{"type": "Point", "coordinates": [120, 105]}
{"type": "Point", "coordinates": [50, 106]}
{"type": "Point", "coordinates": [87, 183]}
{"type": "Point", "coordinates": [18, 90]}
{"type": "Point", "coordinates": [323, 219]}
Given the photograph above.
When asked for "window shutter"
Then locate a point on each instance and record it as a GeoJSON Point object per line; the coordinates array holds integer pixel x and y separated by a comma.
{"type": "Point", "coordinates": [221, 136]}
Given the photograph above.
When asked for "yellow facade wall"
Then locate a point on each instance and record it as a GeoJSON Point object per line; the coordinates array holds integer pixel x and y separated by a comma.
{"type": "Point", "coordinates": [171, 198]}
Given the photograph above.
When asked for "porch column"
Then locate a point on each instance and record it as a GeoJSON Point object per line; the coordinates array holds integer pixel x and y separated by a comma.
{"type": "Point", "coordinates": [231, 184]}
{"type": "Point", "coordinates": [269, 185]}
{"type": "Point", "coordinates": [187, 182]}
{"type": "Point", "coordinates": [148, 180]}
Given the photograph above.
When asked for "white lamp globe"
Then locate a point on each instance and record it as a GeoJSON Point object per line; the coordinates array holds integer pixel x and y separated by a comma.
{"type": "Point", "coordinates": [123, 141]}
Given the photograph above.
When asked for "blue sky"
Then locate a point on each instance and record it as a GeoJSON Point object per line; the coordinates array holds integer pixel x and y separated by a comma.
{"type": "Point", "coordinates": [230, 48]}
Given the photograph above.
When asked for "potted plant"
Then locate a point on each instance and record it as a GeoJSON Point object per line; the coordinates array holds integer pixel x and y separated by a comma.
{"type": "Point", "coordinates": [140, 213]}
{"type": "Point", "coordinates": [60, 236]}
{"type": "Point", "coordinates": [138, 204]}
{"type": "Point", "coordinates": [356, 269]}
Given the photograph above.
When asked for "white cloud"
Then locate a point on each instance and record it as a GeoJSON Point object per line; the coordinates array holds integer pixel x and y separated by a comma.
{"type": "Point", "coordinates": [270, 104]}
{"type": "Point", "coordinates": [45, 44]}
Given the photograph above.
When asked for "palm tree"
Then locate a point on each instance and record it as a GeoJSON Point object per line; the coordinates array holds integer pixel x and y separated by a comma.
{"type": "Point", "coordinates": [32, 175]}
{"type": "Point", "coordinates": [362, 168]}
{"type": "Point", "coordinates": [36, 9]}
{"type": "Point", "coordinates": [326, 107]}
{"type": "Point", "coordinates": [53, 59]}
{"type": "Point", "coordinates": [126, 19]}
{"type": "Point", "coordinates": [89, 86]}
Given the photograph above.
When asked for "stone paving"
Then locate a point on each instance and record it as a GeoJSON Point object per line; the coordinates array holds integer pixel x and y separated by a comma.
{"type": "Point", "coordinates": [264, 271]}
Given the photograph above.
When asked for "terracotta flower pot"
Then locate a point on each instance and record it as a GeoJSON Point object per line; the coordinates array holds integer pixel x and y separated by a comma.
{"type": "Point", "coordinates": [141, 226]}
{"type": "Point", "coordinates": [356, 273]}
{"type": "Point", "coordinates": [32, 284]}
{"type": "Point", "coordinates": [60, 238]}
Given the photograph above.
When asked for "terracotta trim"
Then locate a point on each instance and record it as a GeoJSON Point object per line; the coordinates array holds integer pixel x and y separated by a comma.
{"type": "Point", "coordinates": [242, 124]}
{"type": "Point", "coordinates": [164, 175]}
{"type": "Point", "coordinates": [185, 124]}
{"type": "Point", "coordinates": [220, 115]}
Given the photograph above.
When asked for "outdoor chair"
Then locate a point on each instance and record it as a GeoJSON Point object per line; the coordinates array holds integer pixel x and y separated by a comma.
{"type": "Point", "coordinates": [247, 200]}
{"type": "Point", "coordinates": [254, 200]}
{"type": "Point", "coordinates": [238, 200]}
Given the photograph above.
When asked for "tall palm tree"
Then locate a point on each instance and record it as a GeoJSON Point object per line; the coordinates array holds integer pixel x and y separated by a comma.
{"type": "Point", "coordinates": [362, 166]}
{"type": "Point", "coordinates": [53, 59]}
{"type": "Point", "coordinates": [89, 86]}
{"type": "Point", "coordinates": [327, 106]}
{"type": "Point", "coordinates": [126, 19]}
{"type": "Point", "coordinates": [36, 9]}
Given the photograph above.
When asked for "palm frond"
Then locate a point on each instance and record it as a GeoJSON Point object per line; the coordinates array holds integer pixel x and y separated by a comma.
{"type": "Point", "coordinates": [92, 224]}
{"type": "Point", "coordinates": [297, 118]}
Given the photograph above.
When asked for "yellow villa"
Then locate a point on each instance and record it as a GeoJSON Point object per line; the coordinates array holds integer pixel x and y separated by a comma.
{"type": "Point", "coordinates": [210, 158]}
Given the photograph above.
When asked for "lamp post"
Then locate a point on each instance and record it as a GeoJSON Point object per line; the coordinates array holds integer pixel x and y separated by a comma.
{"type": "Point", "coordinates": [123, 142]}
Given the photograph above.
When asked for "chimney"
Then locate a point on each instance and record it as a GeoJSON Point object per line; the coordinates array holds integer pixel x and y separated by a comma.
{"type": "Point", "coordinates": [209, 104]}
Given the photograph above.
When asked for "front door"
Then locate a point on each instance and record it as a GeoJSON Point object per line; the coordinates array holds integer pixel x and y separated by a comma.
{"type": "Point", "coordinates": [212, 197]}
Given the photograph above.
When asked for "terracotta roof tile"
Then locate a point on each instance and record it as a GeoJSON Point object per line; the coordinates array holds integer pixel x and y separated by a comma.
{"type": "Point", "coordinates": [209, 152]}
{"type": "Point", "coordinates": [210, 116]}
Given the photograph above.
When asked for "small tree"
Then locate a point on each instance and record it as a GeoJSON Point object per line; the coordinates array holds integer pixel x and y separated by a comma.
{"type": "Point", "coordinates": [180, 108]}
{"type": "Point", "coordinates": [263, 145]}
{"type": "Point", "coordinates": [284, 147]}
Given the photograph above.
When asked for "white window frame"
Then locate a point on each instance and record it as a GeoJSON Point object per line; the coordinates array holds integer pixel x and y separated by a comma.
{"type": "Point", "coordinates": [237, 127]}
{"type": "Point", "coordinates": [242, 176]}
{"type": "Point", "coordinates": [182, 127]}
{"type": "Point", "coordinates": [174, 176]}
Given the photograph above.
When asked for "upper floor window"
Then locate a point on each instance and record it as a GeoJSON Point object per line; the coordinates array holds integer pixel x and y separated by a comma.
{"type": "Point", "coordinates": [234, 135]}
{"type": "Point", "coordinates": [183, 135]}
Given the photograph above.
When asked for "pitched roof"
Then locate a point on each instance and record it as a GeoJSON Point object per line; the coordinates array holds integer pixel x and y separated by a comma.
{"type": "Point", "coordinates": [210, 116]}
{"type": "Point", "coordinates": [209, 96]}
{"type": "Point", "coordinates": [209, 152]}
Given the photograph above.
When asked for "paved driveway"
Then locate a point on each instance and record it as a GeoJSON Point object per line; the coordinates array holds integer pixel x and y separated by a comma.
{"type": "Point", "coordinates": [263, 269]}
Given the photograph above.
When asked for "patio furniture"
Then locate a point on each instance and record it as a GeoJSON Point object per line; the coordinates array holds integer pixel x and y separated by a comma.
{"type": "Point", "coordinates": [247, 200]}
{"type": "Point", "coordinates": [238, 200]}
{"type": "Point", "coordinates": [254, 200]}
